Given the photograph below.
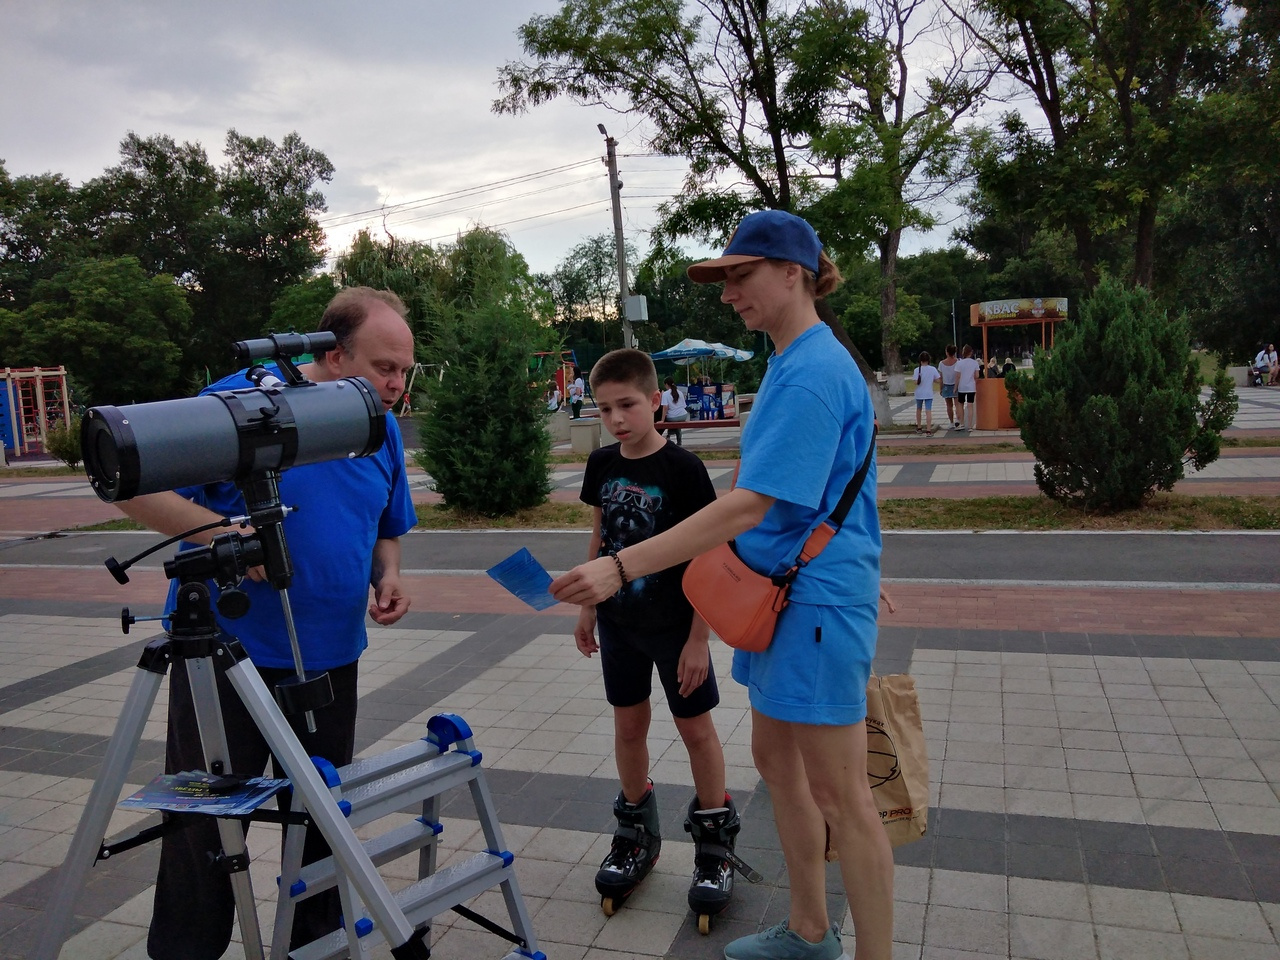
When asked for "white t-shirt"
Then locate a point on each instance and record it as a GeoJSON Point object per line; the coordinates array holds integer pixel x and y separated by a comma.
{"type": "Point", "coordinates": [948, 373]}
{"type": "Point", "coordinates": [1264, 359]}
{"type": "Point", "coordinates": [576, 390]}
{"type": "Point", "coordinates": [924, 377]}
{"type": "Point", "coordinates": [677, 407]}
{"type": "Point", "coordinates": [967, 375]}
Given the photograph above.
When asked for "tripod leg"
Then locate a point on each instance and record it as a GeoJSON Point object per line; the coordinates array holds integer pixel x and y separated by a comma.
{"type": "Point", "coordinates": [347, 851]}
{"type": "Point", "coordinates": [217, 756]}
{"type": "Point", "coordinates": [103, 797]}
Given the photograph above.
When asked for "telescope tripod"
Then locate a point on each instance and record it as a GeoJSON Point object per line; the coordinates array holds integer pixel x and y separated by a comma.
{"type": "Point", "coordinates": [195, 641]}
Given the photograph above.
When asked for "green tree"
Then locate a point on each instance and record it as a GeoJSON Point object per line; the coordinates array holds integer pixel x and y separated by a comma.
{"type": "Point", "coordinates": [39, 233]}
{"type": "Point", "coordinates": [234, 237]}
{"type": "Point", "coordinates": [299, 307]}
{"type": "Point", "coordinates": [712, 88]}
{"type": "Point", "coordinates": [1114, 414]}
{"type": "Point", "coordinates": [1116, 82]}
{"type": "Point", "coordinates": [483, 435]}
{"type": "Point", "coordinates": [113, 327]}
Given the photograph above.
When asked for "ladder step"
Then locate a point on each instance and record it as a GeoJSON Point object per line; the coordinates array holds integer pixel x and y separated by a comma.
{"type": "Point", "coordinates": [423, 900]}
{"type": "Point", "coordinates": [404, 787]}
{"type": "Point", "coordinates": [404, 839]}
{"type": "Point", "coordinates": [359, 772]}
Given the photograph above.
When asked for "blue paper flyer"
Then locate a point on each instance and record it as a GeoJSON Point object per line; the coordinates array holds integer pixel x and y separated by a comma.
{"type": "Point", "coordinates": [525, 577]}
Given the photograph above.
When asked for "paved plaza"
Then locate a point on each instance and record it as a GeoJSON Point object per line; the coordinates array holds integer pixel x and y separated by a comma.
{"type": "Point", "coordinates": [1102, 716]}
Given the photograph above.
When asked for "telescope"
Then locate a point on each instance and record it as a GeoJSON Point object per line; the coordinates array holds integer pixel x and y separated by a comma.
{"type": "Point", "coordinates": [234, 435]}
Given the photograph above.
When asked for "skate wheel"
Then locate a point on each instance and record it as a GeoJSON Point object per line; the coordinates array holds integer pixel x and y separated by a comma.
{"type": "Point", "coordinates": [608, 906]}
{"type": "Point", "coordinates": [704, 923]}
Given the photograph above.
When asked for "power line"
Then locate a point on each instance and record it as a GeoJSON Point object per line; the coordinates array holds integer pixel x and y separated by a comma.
{"type": "Point", "coordinates": [333, 220]}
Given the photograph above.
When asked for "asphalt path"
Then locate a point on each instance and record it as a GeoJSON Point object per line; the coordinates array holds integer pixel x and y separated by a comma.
{"type": "Point", "coordinates": [1244, 560]}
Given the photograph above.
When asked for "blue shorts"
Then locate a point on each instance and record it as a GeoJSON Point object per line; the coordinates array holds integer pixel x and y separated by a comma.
{"type": "Point", "coordinates": [817, 667]}
{"type": "Point", "coordinates": [948, 391]}
{"type": "Point", "coordinates": [924, 404]}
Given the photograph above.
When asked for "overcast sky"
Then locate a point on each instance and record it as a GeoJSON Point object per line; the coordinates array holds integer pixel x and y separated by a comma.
{"type": "Point", "coordinates": [396, 94]}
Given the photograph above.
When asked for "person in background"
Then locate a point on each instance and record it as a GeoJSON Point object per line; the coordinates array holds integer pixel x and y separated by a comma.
{"type": "Point", "coordinates": [1008, 367]}
{"type": "Point", "coordinates": [811, 428]}
{"type": "Point", "coordinates": [553, 396]}
{"type": "Point", "coordinates": [577, 392]}
{"type": "Point", "coordinates": [967, 370]}
{"type": "Point", "coordinates": [947, 371]}
{"type": "Point", "coordinates": [674, 408]}
{"type": "Point", "coordinates": [925, 376]}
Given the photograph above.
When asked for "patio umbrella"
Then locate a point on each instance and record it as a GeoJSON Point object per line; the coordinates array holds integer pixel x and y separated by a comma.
{"type": "Point", "coordinates": [689, 351]}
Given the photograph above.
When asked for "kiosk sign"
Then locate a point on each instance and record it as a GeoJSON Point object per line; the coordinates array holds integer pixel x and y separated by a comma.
{"type": "Point", "coordinates": [1025, 310]}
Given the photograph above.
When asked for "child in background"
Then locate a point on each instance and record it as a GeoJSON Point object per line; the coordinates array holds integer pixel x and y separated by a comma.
{"type": "Point", "coordinates": [639, 487]}
{"type": "Point", "coordinates": [925, 376]}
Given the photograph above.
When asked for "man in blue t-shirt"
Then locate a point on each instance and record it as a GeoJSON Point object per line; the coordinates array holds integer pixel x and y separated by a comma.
{"type": "Point", "coordinates": [343, 539]}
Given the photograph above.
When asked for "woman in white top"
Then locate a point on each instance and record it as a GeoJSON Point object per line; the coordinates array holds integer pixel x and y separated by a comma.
{"type": "Point", "coordinates": [947, 370]}
{"type": "Point", "coordinates": [925, 376]}
{"type": "Point", "coordinates": [674, 409]}
{"type": "Point", "coordinates": [967, 388]}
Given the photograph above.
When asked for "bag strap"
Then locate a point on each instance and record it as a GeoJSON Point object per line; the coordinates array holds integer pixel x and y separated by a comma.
{"type": "Point", "coordinates": [821, 536]}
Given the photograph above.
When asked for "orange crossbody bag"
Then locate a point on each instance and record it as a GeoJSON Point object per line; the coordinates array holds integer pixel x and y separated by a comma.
{"type": "Point", "coordinates": [742, 606]}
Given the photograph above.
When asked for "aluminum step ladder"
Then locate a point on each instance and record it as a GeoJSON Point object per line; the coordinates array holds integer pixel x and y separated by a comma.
{"type": "Point", "coordinates": [407, 778]}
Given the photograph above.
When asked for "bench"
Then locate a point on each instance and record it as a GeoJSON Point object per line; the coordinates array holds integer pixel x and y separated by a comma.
{"type": "Point", "coordinates": [695, 424]}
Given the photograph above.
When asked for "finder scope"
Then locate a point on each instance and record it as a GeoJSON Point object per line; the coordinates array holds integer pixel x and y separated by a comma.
{"type": "Point", "coordinates": [234, 435]}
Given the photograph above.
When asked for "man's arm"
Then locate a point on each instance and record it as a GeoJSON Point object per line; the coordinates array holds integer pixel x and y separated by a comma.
{"type": "Point", "coordinates": [390, 602]}
{"type": "Point", "coordinates": [172, 515]}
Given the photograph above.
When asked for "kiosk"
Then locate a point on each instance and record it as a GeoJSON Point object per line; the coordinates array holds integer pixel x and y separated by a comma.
{"type": "Point", "coordinates": [993, 396]}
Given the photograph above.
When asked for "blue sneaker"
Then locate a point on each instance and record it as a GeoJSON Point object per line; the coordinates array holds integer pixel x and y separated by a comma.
{"type": "Point", "coordinates": [779, 943]}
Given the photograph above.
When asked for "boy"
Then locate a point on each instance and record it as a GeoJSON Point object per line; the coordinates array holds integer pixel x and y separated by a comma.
{"type": "Point", "coordinates": [639, 487]}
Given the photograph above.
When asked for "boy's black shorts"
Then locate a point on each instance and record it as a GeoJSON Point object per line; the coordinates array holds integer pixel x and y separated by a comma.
{"type": "Point", "coordinates": [628, 657]}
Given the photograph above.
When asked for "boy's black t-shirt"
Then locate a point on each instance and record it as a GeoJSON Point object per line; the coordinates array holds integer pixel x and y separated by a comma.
{"type": "Point", "coordinates": [640, 499]}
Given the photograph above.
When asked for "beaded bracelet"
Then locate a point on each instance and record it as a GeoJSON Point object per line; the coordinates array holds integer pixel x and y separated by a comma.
{"type": "Point", "coordinates": [622, 573]}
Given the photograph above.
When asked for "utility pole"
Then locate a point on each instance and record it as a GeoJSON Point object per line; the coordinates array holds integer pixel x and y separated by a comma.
{"type": "Point", "coordinates": [953, 323]}
{"type": "Point", "coordinates": [615, 192]}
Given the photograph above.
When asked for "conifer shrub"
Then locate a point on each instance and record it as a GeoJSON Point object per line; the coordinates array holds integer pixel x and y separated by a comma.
{"type": "Point", "coordinates": [1115, 414]}
{"type": "Point", "coordinates": [62, 441]}
{"type": "Point", "coordinates": [482, 432]}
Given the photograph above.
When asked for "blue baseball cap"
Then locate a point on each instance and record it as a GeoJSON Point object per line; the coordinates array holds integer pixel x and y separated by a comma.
{"type": "Point", "coordinates": [764, 235]}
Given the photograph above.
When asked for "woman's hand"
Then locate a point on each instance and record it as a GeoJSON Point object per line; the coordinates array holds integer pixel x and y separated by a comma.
{"type": "Point", "coordinates": [589, 583]}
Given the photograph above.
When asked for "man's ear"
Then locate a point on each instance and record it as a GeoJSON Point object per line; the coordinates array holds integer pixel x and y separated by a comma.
{"type": "Point", "coordinates": [655, 400]}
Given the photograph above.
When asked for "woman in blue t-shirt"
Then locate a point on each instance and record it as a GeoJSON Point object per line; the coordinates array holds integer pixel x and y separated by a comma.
{"type": "Point", "coordinates": [811, 427]}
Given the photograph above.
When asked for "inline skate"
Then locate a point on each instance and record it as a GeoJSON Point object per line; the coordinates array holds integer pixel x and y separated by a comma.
{"type": "Point", "coordinates": [637, 841]}
{"type": "Point", "coordinates": [714, 832]}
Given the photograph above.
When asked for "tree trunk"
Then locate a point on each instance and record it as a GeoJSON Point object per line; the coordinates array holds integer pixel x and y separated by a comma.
{"type": "Point", "coordinates": [1085, 256]}
{"type": "Point", "coordinates": [1144, 247]}
{"type": "Point", "coordinates": [879, 394]}
{"type": "Point", "coordinates": [889, 299]}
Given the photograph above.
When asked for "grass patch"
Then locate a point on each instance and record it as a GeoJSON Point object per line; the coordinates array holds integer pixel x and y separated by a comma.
{"type": "Point", "coordinates": [552, 515]}
{"type": "Point", "coordinates": [1250, 442]}
{"type": "Point", "coordinates": [108, 526]}
{"type": "Point", "coordinates": [1168, 511]}
{"type": "Point", "coordinates": [1209, 365]}
{"type": "Point", "coordinates": [950, 450]}
{"type": "Point", "coordinates": [27, 472]}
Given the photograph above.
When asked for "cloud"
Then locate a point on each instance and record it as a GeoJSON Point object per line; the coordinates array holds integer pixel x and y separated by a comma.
{"type": "Point", "coordinates": [396, 94]}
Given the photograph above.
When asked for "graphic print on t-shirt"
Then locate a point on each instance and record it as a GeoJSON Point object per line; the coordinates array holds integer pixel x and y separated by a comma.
{"type": "Point", "coordinates": [630, 513]}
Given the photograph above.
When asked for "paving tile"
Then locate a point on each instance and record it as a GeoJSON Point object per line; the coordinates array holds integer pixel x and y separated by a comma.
{"type": "Point", "coordinates": [979, 931]}
{"type": "Point", "coordinates": [1030, 897]}
{"type": "Point", "coordinates": [1051, 938]}
{"type": "Point", "coordinates": [1140, 944]}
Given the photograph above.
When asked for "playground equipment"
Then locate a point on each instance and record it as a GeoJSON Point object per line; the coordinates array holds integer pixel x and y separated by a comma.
{"type": "Point", "coordinates": [33, 400]}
